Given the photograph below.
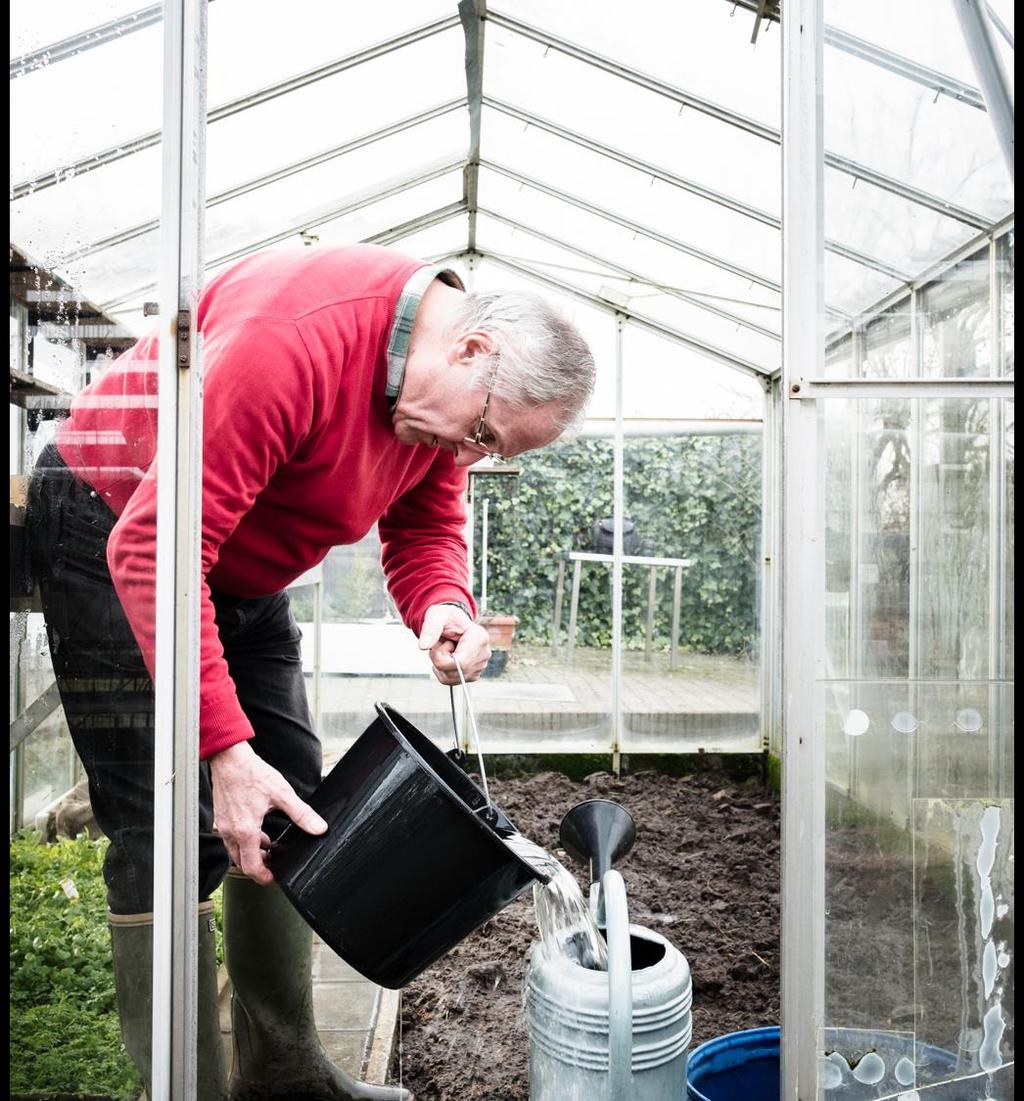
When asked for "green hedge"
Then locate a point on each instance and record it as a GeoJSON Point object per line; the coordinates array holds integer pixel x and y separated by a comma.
{"type": "Point", "coordinates": [65, 1034]}
{"type": "Point", "coordinates": [696, 497]}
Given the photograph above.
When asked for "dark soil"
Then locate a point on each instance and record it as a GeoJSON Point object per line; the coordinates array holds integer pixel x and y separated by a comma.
{"type": "Point", "coordinates": [704, 873]}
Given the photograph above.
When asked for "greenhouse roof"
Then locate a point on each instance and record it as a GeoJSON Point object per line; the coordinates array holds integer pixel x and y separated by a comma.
{"type": "Point", "coordinates": [627, 160]}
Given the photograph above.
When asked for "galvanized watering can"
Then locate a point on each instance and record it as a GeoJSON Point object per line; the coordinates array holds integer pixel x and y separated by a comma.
{"type": "Point", "coordinates": [620, 1035]}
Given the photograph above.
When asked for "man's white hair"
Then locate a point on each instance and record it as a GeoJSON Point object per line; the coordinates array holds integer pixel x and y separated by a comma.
{"type": "Point", "coordinates": [542, 359]}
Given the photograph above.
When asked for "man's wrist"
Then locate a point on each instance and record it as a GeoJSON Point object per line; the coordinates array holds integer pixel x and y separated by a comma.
{"type": "Point", "coordinates": [458, 604]}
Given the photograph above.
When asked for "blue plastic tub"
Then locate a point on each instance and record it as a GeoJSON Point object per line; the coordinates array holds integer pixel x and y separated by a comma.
{"type": "Point", "coordinates": [745, 1066]}
{"type": "Point", "coordinates": [740, 1066]}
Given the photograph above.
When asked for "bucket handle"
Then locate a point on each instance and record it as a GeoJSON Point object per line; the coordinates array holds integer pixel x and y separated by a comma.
{"type": "Point", "coordinates": [489, 812]}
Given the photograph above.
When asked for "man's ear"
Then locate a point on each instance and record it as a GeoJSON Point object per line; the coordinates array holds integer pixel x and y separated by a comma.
{"type": "Point", "coordinates": [470, 345]}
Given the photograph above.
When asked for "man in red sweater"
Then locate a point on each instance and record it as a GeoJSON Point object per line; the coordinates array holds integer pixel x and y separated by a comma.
{"type": "Point", "coordinates": [343, 388]}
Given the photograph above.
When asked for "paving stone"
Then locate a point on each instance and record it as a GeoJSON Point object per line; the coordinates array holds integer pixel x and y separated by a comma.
{"type": "Point", "coordinates": [344, 1005]}
{"type": "Point", "coordinates": [346, 1048]}
{"type": "Point", "coordinates": [329, 967]}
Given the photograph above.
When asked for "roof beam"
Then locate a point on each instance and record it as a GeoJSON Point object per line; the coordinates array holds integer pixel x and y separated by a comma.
{"type": "Point", "coordinates": [635, 227]}
{"type": "Point", "coordinates": [742, 122]}
{"type": "Point", "coordinates": [414, 225]}
{"type": "Point", "coordinates": [472, 13]}
{"type": "Point", "coordinates": [930, 275]}
{"type": "Point", "coordinates": [272, 177]}
{"type": "Point", "coordinates": [367, 198]}
{"type": "Point", "coordinates": [651, 325]}
{"type": "Point", "coordinates": [635, 277]}
{"type": "Point", "coordinates": [635, 76]}
{"type": "Point", "coordinates": [885, 59]}
{"type": "Point", "coordinates": [642, 230]}
{"type": "Point", "coordinates": [1000, 26]}
{"type": "Point", "coordinates": [684, 184]}
{"type": "Point", "coordinates": [253, 99]}
{"type": "Point", "coordinates": [977, 36]}
{"type": "Point", "coordinates": [86, 40]}
{"type": "Point", "coordinates": [903, 66]}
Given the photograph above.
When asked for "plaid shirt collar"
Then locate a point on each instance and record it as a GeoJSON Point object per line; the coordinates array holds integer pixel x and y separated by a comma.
{"type": "Point", "coordinates": [405, 317]}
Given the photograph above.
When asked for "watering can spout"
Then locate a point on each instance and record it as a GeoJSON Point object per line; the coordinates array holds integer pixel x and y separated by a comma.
{"type": "Point", "coordinates": [599, 832]}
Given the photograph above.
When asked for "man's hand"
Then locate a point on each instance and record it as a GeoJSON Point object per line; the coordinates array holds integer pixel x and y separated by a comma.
{"type": "Point", "coordinates": [447, 630]}
{"type": "Point", "coordinates": [245, 788]}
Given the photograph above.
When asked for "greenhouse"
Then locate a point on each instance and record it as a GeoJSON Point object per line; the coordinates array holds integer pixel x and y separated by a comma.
{"type": "Point", "coordinates": [741, 596]}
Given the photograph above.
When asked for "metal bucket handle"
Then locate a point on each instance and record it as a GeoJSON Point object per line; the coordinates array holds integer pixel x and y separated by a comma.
{"type": "Point", "coordinates": [488, 812]}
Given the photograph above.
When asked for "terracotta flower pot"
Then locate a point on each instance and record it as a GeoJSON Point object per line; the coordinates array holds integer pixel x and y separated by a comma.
{"type": "Point", "coordinates": [500, 628]}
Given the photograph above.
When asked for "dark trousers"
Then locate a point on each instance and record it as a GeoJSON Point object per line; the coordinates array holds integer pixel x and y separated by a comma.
{"type": "Point", "coordinates": [107, 692]}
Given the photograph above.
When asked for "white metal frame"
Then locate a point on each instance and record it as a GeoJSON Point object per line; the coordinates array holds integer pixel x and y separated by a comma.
{"type": "Point", "coordinates": [803, 749]}
{"type": "Point", "coordinates": [178, 565]}
{"type": "Point", "coordinates": [995, 88]}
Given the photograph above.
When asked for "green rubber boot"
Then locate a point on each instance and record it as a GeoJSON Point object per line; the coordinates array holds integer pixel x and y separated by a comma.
{"type": "Point", "coordinates": [278, 1054]}
{"type": "Point", "coordinates": [131, 938]}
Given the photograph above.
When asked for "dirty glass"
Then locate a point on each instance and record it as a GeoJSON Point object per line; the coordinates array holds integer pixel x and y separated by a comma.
{"type": "Point", "coordinates": [692, 462]}
{"type": "Point", "coordinates": [549, 685]}
{"type": "Point", "coordinates": [82, 858]}
{"type": "Point", "coordinates": [917, 716]}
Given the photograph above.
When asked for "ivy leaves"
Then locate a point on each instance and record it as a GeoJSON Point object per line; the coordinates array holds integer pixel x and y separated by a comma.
{"type": "Point", "coordinates": [696, 497]}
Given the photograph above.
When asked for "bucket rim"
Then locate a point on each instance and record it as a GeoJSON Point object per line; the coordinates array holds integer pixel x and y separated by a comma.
{"type": "Point", "coordinates": [385, 711]}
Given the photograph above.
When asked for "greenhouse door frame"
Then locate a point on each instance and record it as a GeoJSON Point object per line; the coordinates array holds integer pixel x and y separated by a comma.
{"type": "Point", "coordinates": [799, 451]}
{"type": "Point", "coordinates": [178, 566]}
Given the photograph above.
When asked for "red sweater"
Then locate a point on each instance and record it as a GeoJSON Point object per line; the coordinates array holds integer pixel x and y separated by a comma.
{"type": "Point", "coordinates": [298, 452]}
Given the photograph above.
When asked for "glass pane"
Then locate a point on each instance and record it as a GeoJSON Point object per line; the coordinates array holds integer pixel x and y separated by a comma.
{"type": "Point", "coordinates": [552, 693]}
{"type": "Point", "coordinates": [693, 475]}
{"type": "Point", "coordinates": [81, 854]}
{"type": "Point", "coordinates": [690, 623]}
{"type": "Point", "coordinates": [916, 687]}
{"type": "Point", "coordinates": [549, 688]}
{"type": "Point", "coordinates": [640, 122]}
{"type": "Point", "coordinates": [919, 750]}
{"type": "Point", "coordinates": [653, 257]}
{"type": "Point", "coordinates": [255, 43]}
{"type": "Point", "coordinates": [1005, 268]}
{"type": "Point", "coordinates": [310, 118]}
{"type": "Point", "coordinates": [633, 192]}
{"type": "Point", "coordinates": [894, 125]}
{"type": "Point", "coordinates": [693, 47]}
{"type": "Point", "coordinates": [956, 322]}
{"type": "Point", "coordinates": [747, 347]}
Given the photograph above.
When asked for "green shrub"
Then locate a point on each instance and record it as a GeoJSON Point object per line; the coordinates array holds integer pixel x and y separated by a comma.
{"type": "Point", "coordinates": [67, 1049]}
{"type": "Point", "coordinates": [696, 497]}
{"type": "Point", "coordinates": [65, 1034]}
{"type": "Point", "coordinates": [59, 944]}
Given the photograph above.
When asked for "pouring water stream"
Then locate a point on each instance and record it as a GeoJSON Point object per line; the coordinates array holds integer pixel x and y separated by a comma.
{"type": "Point", "coordinates": [564, 920]}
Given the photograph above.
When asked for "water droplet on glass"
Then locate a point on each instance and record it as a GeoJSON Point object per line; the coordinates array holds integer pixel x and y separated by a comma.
{"type": "Point", "coordinates": [857, 723]}
{"type": "Point", "coordinates": [904, 722]}
{"type": "Point", "coordinates": [870, 1069]}
{"type": "Point", "coordinates": [968, 720]}
{"type": "Point", "coordinates": [829, 1075]}
{"type": "Point", "coordinates": [904, 1072]}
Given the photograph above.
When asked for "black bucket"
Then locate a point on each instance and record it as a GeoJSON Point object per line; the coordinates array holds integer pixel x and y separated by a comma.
{"type": "Point", "coordinates": [413, 859]}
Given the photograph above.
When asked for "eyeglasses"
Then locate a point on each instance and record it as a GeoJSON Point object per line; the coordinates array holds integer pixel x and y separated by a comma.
{"type": "Point", "coordinates": [481, 431]}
